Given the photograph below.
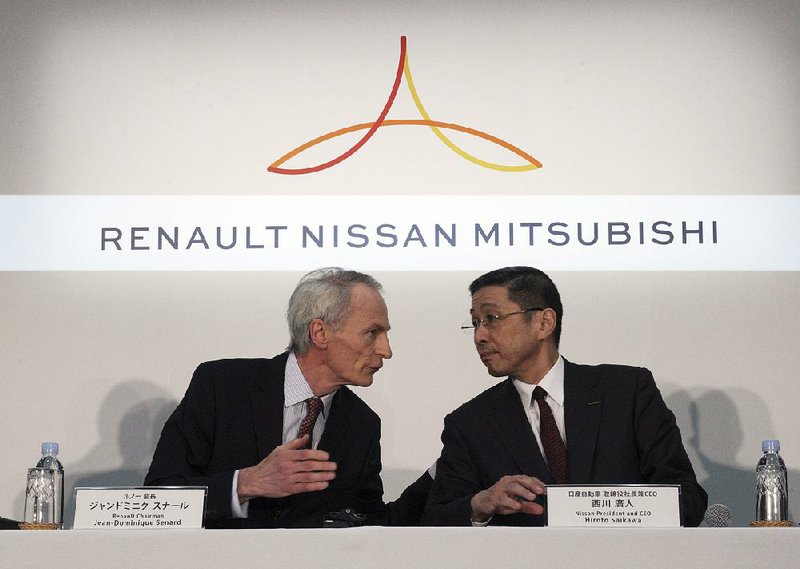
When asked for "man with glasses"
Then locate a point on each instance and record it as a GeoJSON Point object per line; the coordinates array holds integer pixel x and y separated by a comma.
{"type": "Point", "coordinates": [551, 421]}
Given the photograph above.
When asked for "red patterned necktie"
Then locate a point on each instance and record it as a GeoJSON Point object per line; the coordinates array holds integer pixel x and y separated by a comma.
{"type": "Point", "coordinates": [314, 406]}
{"type": "Point", "coordinates": [554, 449]}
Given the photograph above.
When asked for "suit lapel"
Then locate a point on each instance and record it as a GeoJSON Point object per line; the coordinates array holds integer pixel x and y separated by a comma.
{"type": "Point", "coordinates": [267, 406]}
{"type": "Point", "coordinates": [583, 406]}
{"type": "Point", "coordinates": [336, 424]}
{"type": "Point", "coordinates": [512, 427]}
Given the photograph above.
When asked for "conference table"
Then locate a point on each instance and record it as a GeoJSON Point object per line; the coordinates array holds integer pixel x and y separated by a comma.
{"type": "Point", "coordinates": [386, 548]}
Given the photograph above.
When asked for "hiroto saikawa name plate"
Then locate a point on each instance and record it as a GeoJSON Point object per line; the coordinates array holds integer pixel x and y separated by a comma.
{"type": "Point", "coordinates": [154, 507]}
{"type": "Point", "coordinates": [625, 505]}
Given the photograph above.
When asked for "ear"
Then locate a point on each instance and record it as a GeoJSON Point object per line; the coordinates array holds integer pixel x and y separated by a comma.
{"type": "Point", "coordinates": [318, 331]}
{"type": "Point", "coordinates": [547, 323]}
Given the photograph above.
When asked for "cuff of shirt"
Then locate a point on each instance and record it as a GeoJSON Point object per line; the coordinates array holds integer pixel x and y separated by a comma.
{"type": "Point", "coordinates": [238, 510]}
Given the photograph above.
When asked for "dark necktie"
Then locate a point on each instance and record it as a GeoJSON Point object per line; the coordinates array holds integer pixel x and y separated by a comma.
{"type": "Point", "coordinates": [314, 406]}
{"type": "Point", "coordinates": [554, 449]}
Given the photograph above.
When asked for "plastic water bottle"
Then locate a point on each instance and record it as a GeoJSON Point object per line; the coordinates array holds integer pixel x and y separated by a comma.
{"type": "Point", "coordinates": [50, 460]}
{"type": "Point", "coordinates": [772, 491]}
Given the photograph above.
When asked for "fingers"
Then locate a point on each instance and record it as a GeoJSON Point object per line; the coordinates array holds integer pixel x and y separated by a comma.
{"type": "Point", "coordinates": [527, 486]}
{"type": "Point", "coordinates": [300, 453]}
{"type": "Point", "coordinates": [296, 444]}
{"type": "Point", "coordinates": [522, 490]}
{"type": "Point", "coordinates": [305, 465]}
{"type": "Point", "coordinates": [302, 476]}
{"type": "Point", "coordinates": [509, 495]}
{"type": "Point", "coordinates": [299, 444]}
{"type": "Point", "coordinates": [303, 470]}
{"type": "Point", "coordinates": [307, 482]}
{"type": "Point", "coordinates": [289, 469]}
{"type": "Point", "coordinates": [307, 487]}
{"type": "Point", "coordinates": [531, 508]}
{"type": "Point", "coordinates": [508, 504]}
{"type": "Point", "coordinates": [310, 464]}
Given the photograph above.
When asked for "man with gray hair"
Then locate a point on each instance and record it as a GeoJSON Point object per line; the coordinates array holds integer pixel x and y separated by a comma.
{"type": "Point", "coordinates": [282, 442]}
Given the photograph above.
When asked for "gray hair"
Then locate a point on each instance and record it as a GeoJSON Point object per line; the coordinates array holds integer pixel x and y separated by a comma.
{"type": "Point", "coordinates": [322, 294]}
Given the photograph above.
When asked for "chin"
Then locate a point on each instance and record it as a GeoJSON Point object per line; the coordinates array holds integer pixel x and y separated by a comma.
{"type": "Point", "coordinates": [496, 372]}
{"type": "Point", "coordinates": [363, 381]}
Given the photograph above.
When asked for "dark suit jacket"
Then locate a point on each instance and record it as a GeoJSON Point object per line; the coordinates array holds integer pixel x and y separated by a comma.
{"type": "Point", "coordinates": [231, 417]}
{"type": "Point", "coordinates": [618, 431]}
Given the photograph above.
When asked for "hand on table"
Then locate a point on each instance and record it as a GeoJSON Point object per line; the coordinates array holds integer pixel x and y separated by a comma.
{"type": "Point", "coordinates": [509, 495]}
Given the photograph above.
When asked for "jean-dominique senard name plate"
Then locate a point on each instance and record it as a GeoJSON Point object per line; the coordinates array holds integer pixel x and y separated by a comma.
{"type": "Point", "coordinates": [625, 505]}
{"type": "Point", "coordinates": [154, 507]}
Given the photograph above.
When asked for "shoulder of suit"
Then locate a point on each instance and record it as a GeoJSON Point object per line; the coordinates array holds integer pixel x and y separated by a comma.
{"type": "Point", "coordinates": [242, 370]}
{"type": "Point", "coordinates": [243, 364]}
{"type": "Point", "coordinates": [607, 372]}
{"type": "Point", "coordinates": [484, 399]}
{"type": "Point", "coordinates": [605, 368]}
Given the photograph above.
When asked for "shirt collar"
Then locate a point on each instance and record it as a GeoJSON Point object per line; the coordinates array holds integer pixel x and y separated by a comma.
{"type": "Point", "coordinates": [552, 383]}
{"type": "Point", "coordinates": [296, 389]}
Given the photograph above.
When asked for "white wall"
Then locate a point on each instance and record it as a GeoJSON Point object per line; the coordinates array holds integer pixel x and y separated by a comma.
{"type": "Point", "coordinates": [618, 98]}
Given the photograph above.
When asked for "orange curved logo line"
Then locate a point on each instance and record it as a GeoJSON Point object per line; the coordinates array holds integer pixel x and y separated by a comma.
{"type": "Point", "coordinates": [403, 69]}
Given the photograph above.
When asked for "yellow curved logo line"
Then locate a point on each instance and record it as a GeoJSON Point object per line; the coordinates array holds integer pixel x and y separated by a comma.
{"type": "Point", "coordinates": [436, 126]}
{"type": "Point", "coordinates": [533, 163]}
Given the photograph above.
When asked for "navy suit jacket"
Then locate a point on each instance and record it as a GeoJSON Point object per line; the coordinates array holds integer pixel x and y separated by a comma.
{"type": "Point", "coordinates": [618, 431]}
{"type": "Point", "coordinates": [231, 417]}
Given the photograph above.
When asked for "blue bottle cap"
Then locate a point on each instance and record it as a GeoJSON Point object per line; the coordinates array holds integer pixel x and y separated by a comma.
{"type": "Point", "coordinates": [770, 445]}
{"type": "Point", "coordinates": [49, 449]}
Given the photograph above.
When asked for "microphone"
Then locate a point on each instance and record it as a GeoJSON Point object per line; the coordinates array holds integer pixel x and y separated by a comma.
{"type": "Point", "coordinates": [717, 516]}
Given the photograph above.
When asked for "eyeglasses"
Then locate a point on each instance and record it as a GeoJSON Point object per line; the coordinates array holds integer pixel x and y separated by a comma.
{"type": "Point", "coordinates": [490, 321]}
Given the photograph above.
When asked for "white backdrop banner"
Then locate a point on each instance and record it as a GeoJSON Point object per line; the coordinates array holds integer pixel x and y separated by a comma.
{"type": "Point", "coordinates": [404, 233]}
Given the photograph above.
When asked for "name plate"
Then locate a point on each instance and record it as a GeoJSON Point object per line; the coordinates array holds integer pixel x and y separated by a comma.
{"type": "Point", "coordinates": [624, 505]}
{"type": "Point", "coordinates": [154, 507]}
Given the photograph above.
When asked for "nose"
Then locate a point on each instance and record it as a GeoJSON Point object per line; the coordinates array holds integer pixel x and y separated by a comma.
{"type": "Point", "coordinates": [481, 334]}
{"type": "Point", "coordinates": [382, 347]}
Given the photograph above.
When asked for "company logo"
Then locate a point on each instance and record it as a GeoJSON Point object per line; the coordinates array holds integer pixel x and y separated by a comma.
{"type": "Point", "coordinates": [437, 127]}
